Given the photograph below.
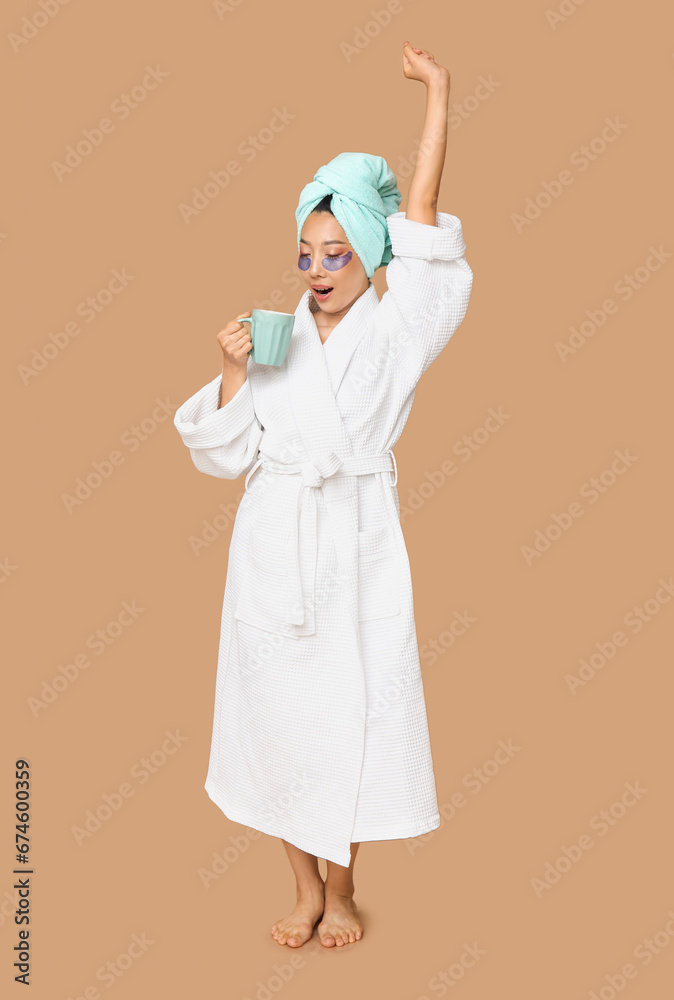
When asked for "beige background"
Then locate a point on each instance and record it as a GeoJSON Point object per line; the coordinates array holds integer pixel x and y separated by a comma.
{"type": "Point", "coordinates": [67, 573]}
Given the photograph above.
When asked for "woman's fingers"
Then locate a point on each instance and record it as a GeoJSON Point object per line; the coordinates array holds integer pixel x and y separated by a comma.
{"type": "Point", "coordinates": [420, 64]}
{"type": "Point", "coordinates": [235, 340]}
{"type": "Point", "coordinates": [419, 52]}
{"type": "Point", "coordinates": [234, 326]}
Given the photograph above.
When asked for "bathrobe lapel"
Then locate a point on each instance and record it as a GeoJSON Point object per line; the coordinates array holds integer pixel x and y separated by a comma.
{"type": "Point", "coordinates": [347, 335]}
{"type": "Point", "coordinates": [314, 374]}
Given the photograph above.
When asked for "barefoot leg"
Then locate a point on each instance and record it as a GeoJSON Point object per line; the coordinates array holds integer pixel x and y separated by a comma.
{"type": "Point", "coordinates": [298, 926]}
{"type": "Point", "coordinates": [341, 923]}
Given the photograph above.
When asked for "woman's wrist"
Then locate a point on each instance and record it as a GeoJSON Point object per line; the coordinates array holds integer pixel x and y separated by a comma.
{"type": "Point", "coordinates": [439, 86]}
{"type": "Point", "coordinates": [233, 377]}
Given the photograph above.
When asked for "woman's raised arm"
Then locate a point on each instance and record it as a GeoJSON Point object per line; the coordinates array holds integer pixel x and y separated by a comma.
{"type": "Point", "coordinates": [422, 200]}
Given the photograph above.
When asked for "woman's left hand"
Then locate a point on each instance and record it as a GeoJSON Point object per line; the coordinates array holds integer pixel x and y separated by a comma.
{"type": "Point", "coordinates": [418, 64]}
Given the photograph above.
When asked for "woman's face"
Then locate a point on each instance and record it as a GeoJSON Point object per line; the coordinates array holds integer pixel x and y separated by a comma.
{"type": "Point", "coordinates": [328, 260]}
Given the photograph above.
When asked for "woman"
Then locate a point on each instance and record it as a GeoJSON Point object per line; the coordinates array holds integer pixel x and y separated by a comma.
{"type": "Point", "coordinates": [320, 734]}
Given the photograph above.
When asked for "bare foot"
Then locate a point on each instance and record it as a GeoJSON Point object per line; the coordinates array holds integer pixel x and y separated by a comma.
{"type": "Point", "coordinates": [340, 924]}
{"type": "Point", "coordinates": [298, 926]}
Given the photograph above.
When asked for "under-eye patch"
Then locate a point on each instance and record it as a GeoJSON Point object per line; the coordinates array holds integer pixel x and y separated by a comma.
{"type": "Point", "coordinates": [329, 263]}
{"type": "Point", "coordinates": [334, 263]}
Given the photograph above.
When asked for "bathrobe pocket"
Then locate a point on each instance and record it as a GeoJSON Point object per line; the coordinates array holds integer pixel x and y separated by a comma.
{"type": "Point", "coordinates": [379, 574]}
{"type": "Point", "coordinates": [263, 590]}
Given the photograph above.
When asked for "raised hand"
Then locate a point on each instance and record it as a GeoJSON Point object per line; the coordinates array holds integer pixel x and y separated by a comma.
{"type": "Point", "coordinates": [419, 64]}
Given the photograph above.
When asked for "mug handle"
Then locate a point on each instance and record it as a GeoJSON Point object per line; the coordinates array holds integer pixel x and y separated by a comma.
{"type": "Point", "coordinates": [249, 319]}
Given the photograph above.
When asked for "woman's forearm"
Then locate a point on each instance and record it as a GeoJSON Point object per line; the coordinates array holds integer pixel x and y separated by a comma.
{"type": "Point", "coordinates": [424, 190]}
{"type": "Point", "coordinates": [233, 377]}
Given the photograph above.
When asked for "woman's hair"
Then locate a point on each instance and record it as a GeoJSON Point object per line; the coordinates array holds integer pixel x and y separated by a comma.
{"type": "Point", "coordinates": [324, 205]}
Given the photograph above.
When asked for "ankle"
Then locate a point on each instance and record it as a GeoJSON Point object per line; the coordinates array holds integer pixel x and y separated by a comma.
{"type": "Point", "coordinates": [339, 892]}
{"type": "Point", "coordinates": [311, 888]}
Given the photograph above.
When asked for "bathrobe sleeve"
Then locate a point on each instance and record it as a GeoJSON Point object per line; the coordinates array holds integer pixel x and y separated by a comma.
{"type": "Point", "coordinates": [222, 442]}
{"type": "Point", "coordinates": [429, 284]}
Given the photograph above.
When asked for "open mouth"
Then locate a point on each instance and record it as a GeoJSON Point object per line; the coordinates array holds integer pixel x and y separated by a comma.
{"type": "Point", "coordinates": [321, 291]}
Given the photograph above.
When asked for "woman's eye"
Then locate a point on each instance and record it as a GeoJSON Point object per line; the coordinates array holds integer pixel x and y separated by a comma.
{"type": "Point", "coordinates": [330, 256]}
{"type": "Point", "coordinates": [333, 261]}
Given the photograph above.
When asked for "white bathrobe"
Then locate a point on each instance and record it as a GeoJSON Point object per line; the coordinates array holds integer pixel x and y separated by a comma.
{"type": "Point", "coordinates": [320, 733]}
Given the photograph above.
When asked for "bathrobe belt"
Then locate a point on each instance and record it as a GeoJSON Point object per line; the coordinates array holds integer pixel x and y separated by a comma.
{"type": "Point", "coordinates": [313, 474]}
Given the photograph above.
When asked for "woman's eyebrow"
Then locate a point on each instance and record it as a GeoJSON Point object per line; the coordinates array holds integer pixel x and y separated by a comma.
{"type": "Point", "coordinates": [326, 243]}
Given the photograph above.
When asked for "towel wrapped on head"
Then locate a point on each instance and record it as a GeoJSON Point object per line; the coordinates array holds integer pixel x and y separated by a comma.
{"type": "Point", "coordinates": [364, 192]}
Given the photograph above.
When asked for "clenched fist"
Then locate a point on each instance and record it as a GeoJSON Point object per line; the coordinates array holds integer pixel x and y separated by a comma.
{"type": "Point", "coordinates": [420, 64]}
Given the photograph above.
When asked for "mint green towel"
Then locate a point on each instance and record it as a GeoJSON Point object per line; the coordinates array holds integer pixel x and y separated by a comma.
{"type": "Point", "coordinates": [364, 192]}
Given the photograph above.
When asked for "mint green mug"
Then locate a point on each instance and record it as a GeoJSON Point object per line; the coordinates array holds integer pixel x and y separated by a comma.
{"type": "Point", "coordinates": [270, 333]}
